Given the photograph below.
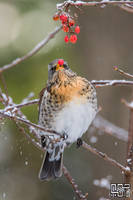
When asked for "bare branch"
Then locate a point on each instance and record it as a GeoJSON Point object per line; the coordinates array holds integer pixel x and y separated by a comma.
{"type": "Point", "coordinates": [122, 72]}
{"type": "Point", "coordinates": [32, 52]}
{"type": "Point", "coordinates": [109, 128]}
{"type": "Point", "coordinates": [74, 185]}
{"type": "Point", "coordinates": [102, 83]}
{"type": "Point", "coordinates": [104, 156]}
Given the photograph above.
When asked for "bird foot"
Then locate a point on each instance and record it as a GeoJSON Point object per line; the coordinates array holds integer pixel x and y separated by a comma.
{"type": "Point", "coordinates": [79, 142]}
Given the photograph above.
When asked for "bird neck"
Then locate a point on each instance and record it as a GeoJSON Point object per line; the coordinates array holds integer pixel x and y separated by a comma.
{"type": "Point", "coordinates": [62, 76]}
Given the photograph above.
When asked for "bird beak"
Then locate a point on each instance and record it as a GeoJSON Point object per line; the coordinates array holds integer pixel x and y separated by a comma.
{"type": "Point", "coordinates": [59, 67]}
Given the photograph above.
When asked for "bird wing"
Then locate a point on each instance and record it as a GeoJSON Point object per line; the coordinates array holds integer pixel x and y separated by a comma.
{"type": "Point", "coordinates": [40, 99]}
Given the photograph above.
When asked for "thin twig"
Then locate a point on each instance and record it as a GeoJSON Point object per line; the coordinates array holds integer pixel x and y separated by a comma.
{"type": "Point", "coordinates": [74, 185]}
{"type": "Point", "coordinates": [33, 51]}
{"type": "Point", "coordinates": [122, 72]}
{"type": "Point", "coordinates": [102, 83]}
{"type": "Point", "coordinates": [104, 156]}
{"type": "Point", "coordinates": [28, 103]}
{"type": "Point", "coordinates": [104, 125]}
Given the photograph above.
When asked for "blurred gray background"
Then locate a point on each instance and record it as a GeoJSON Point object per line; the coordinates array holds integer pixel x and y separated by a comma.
{"type": "Point", "coordinates": [105, 40]}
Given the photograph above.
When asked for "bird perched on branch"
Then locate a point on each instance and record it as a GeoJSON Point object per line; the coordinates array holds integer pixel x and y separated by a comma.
{"type": "Point", "coordinates": [67, 105]}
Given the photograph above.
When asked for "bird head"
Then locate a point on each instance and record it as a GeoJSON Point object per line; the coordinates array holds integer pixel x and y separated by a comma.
{"type": "Point", "coordinates": [56, 66]}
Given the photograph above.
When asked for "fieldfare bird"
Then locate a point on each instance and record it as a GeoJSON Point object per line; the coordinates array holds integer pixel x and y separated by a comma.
{"type": "Point", "coordinates": [67, 105]}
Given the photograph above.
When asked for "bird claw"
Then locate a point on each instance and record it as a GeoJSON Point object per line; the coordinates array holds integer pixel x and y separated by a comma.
{"type": "Point", "coordinates": [79, 142]}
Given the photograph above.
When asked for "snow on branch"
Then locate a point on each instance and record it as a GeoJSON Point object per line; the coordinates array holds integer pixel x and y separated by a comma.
{"type": "Point", "coordinates": [102, 83]}
{"type": "Point", "coordinates": [66, 4]}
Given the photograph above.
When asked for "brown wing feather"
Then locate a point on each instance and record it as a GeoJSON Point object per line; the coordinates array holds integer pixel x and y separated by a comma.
{"type": "Point", "coordinates": [40, 99]}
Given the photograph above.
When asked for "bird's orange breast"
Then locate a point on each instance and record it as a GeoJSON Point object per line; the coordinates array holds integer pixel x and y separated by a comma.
{"type": "Point", "coordinates": [69, 88]}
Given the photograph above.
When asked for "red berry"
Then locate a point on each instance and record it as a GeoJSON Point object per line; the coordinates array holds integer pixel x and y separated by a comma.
{"type": "Point", "coordinates": [73, 38]}
{"type": "Point", "coordinates": [77, 29]}
{"type": "Point", "coordinates": [60, 61]}
{"type": "Point", "coordinates": [71, 22]}
{"type": "Point", "coordinates": [56, 17]}
{"type": "Point", "coordinates": [66, 39]}
{"type": "Point", "coordinates": [65, 28]}
{"type": "Point", "coordinates": [63, 18]}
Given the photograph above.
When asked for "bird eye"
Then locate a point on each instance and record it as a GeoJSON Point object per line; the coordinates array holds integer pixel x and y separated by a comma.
{"type": "Point", "coordinates": [53, 68]}
{"type": "Point", "coordinates": [65, 66]}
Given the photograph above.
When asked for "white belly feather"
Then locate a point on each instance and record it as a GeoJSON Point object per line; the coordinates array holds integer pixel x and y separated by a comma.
{"type": "Point", "coordinates": [74, 119]}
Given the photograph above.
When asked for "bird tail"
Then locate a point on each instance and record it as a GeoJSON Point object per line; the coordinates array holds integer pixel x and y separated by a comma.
{"type": "Point", "coordinates": [51, 168]}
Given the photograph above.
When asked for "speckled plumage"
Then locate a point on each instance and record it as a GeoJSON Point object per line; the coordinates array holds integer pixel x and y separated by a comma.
{"type": "Point", "coordinates": [68, 105]}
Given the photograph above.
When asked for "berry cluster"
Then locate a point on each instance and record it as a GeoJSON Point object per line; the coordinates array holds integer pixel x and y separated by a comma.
{"type": "Point", "coordinates": [68, 26]}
